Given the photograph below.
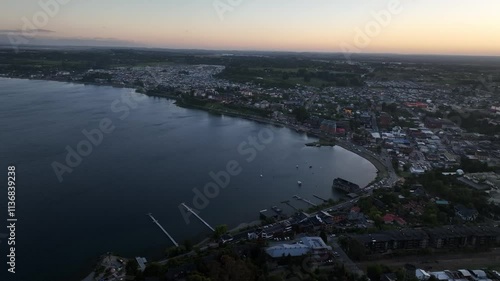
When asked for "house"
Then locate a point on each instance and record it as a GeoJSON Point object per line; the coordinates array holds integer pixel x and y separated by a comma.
{"type": "Point", "coordinates": [259, 234]}
{"type": "Point", "coordinates": [385, 120]}
{"type": "Point", "coordinates": [435, 123]}
{"type": "Point", "coordinates": [391, 219]}
{"type": "Point", "coordinates": [466, 214]}
{"type": "Point", "coordinates": [417, 170]}
{"type": "Point", "coordinates": [388, 277]}
{"type": "Point", "coordinates": [478, 274]}
{"type": "Point", "coordinates": [453, 275]}
{"type": "Point", "coordinates": [465, 273]}
{"type": "Point", "coordinates": [417, 190]}
{"type": "Point", "coordinates": [441, 275]}
{"type": "Point", "coordinates": [141, 262]}
{"type": "Point", "coordinates": [253, 236]}
{"type": "Point", "coordinates": [442, 202]}
{"type": "Point", "coordinates": [422, 275]}
{"type": "Point", "coordinates": [358, 219]}
{"type": "Point", "coordinates": [482, 155]}
{"type": "Point", "coordinates": [226, 238]}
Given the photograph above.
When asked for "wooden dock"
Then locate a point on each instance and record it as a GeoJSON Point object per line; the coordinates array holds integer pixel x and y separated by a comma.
{"type": "Point", "coordinates": [287, 202]}
{"type": "Point", "coordinates": [196, 215]}
{"type": "Point", "coordinates": [305, 200]}
{"type": "Point", "coordinates": [163, 229]}
{"type": "Point", "coordinates": [324, 200]}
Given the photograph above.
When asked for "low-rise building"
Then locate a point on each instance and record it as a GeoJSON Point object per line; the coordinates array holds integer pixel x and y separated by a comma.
{"type": "Point", "coordinates": [466, 214]}
{"type": "Point", "coordinates": [307, 245]}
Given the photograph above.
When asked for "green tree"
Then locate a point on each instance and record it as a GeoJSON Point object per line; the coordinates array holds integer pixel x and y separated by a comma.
{"type": "Point", "coordinates": [153, 270]}
{"type": "Point", "coordinates": [188, 244]}
{"type": "Point", "coordinates": [374, 271]}
{"type": "Point", "coordinates": [220, 230]}
{"type": "Point", "coordinates": [132, 267]}
{"type": "Point", "coordinates": [197, 277]}
{"type": "Point", "coordinates": [275, 278]}
{"type": "Point", "coordinates": [356, 250]}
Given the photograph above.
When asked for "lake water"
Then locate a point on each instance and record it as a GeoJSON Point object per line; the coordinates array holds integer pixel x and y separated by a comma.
{"type": "Point", "coordinates": [151, 156]}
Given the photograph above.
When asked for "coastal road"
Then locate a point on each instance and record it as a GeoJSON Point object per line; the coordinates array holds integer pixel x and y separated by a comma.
{"type": "Point", "coordinates": [381, 162]}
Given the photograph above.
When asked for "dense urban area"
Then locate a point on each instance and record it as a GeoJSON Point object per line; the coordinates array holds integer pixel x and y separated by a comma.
{"type": "Point", "coordinates": [429, 124]}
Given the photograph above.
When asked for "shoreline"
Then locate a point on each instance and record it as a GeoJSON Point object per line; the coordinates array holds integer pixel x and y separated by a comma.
{"type": "Point", "coordinates": [382, 170]}
{"type": "Point", "coordinates": [375, 162]}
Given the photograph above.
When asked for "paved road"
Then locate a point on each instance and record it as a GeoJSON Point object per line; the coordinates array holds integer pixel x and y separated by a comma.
{"type": "Point", "coordinates": [374, 123]}
{"type": "Point", "coordinates": [384, 160]}
{"type": "Point", "coordinates": [344, 258]}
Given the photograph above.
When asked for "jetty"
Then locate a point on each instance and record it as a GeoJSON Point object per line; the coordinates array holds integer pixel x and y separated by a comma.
{"type": "Point", "coordinates": [163, 229]}
{"type": "Point", "coordinates": [287, 202]}
{"type": "Point", "coordinates": [305, 200]}
{"type": "Point", "coordinates": [196, 215]}
{"type": "Point", "coordinates": [320, 198]}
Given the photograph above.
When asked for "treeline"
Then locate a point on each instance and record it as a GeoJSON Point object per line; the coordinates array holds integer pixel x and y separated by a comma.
{"type": "Point", "coordinates": [448, 188]}
{"type": "Point", "coordinates": [475, 122]}
{"type": "Point", "coordinates": [282, 77]}
{"type": "Point", "coordinates": [187, 100]}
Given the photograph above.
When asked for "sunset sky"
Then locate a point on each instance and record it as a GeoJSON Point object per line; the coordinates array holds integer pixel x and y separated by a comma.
{"type": "Point", "coordinates": [421, 26]}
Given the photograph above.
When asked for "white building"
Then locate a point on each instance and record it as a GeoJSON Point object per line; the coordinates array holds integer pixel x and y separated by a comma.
{"type": "Point", "coordinates": [307, 245]}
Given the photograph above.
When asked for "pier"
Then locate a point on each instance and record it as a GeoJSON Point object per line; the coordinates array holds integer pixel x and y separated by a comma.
{"type": "Point", "coordinates": [305, 200]}
{"type": "Point", "coordinates": [320, 198]}
{"type": "Point", "coordinates": [163, 229]}
{"type": "Point", "coordinates": [196, 215]}
{"type": "Point", "coordinates": [287, 202]}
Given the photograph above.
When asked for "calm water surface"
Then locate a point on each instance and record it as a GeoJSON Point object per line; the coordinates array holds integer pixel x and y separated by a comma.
{"type": "Point", "coordinates": [151, 162]}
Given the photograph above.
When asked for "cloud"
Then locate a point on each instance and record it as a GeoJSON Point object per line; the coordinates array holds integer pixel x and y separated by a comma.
{"type": "Point", "coordinates": [68, 41]}
{"type": "Point", "coordinates": [20, 32]}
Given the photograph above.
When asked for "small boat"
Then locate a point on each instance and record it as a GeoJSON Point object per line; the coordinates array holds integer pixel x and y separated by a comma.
{"type": "Point", "coordinates": [310, 167]}
{"type": "Point", "coordinates": [297, 166]}
{"type": "Point", "coordinates": [299, 182]}
{"type": "Point", "coordinates": [261, 176]}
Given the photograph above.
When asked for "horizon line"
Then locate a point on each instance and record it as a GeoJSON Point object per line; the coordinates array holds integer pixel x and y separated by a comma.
{"type": "Point", "coordinates": [41, 46]}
